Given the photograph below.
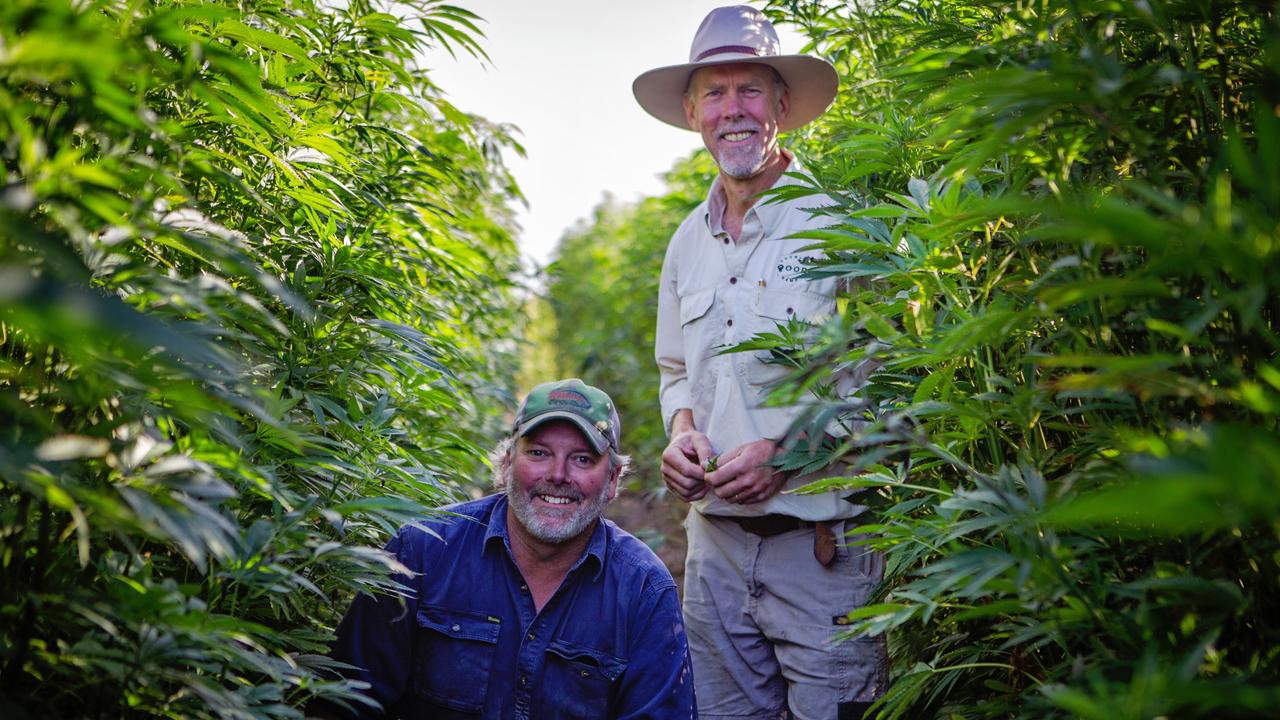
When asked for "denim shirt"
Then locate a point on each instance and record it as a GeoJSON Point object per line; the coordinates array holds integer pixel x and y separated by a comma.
{"type": "Point", "coordinates": [609, 643]}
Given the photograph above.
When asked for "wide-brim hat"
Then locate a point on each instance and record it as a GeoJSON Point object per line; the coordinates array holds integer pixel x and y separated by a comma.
{"type": "Point", "coordinates": [739, 34]}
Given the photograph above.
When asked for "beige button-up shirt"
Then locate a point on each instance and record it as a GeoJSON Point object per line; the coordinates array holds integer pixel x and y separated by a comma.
{"type": "Point", "coordinates": [716, 293]}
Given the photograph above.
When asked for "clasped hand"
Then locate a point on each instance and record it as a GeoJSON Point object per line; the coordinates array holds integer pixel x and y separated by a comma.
{"type": "Point", "coordinates": [742, 476]}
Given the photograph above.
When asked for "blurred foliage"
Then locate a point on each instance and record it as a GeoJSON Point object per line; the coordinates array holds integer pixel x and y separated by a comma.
{"type": "Point", "coordinates": [248, 325]}
{"type": "Point", "coordinates": [601, 303]}
{"type": "Point", "coordinates": [1065, 218]}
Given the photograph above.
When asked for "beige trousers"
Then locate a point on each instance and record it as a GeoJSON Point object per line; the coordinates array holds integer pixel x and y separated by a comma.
{"type": "Point", "coordinates": [761, 613]}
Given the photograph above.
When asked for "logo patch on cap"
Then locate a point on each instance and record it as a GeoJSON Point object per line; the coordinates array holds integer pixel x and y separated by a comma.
{"type": "Point", "coordinates": [572, 398]}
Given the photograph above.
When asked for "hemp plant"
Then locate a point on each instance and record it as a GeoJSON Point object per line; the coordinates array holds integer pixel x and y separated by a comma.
{"type": "Point", "coordinates": [248, 325]}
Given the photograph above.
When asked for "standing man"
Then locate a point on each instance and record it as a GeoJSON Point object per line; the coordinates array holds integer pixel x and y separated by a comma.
{"type": "Point", "coordinates": [766, 583]}
{"type": "Point", "coordinates": [528, 604]}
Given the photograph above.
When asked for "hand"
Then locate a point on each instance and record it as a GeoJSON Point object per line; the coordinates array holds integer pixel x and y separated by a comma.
{"type": "Point", "coordinates": [682, 464]}
{"type": "Point", "coordinates": [743, 475]}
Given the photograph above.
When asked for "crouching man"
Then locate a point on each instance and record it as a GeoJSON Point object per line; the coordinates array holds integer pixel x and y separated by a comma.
{"type": "Point", "coordinates": [528, 604]}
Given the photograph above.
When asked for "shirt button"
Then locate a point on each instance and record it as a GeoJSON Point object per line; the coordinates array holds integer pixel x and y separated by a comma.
{"type": "Point", "coordinates": [726, 241]}
{"type": "Point", "coordinates": [730, 323]}
{"type": "Point", "coordinates": [733, 281]}
{"type": "Point", "coordinates": [530, 636]}
{"type": "Point", "coordinates": [790, 311]}
{"type": "Point", "coordinates": [456, 628]}
{"type": "Point", "coordinates": [524, 587]}
{"type": "Point", "coordinates": [524, 681]}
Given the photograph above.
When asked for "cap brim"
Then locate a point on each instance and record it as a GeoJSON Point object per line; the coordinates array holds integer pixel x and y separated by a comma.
{"type": "Point", "coordinates": [594, 436]}
{"type": "Point", "coordinates": [813, 83]}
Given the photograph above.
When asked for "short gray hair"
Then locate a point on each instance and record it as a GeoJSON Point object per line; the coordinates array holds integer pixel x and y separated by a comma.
{"type": "Point", "coordinates": [502, 452]}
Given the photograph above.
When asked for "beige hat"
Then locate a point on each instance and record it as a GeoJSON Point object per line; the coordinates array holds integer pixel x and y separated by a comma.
{"type": "Point", "coordinates": [739, 34]}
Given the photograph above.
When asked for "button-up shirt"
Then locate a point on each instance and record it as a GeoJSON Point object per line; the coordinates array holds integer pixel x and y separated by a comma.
{"type": "Point", "coordinates": [469, 642]}
{"type": "Point", "coordinates": [716, 293]}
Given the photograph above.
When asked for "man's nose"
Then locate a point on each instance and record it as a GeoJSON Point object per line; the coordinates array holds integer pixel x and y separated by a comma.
{"type": "Point", "coordinates": [559, 471]}
{"type": "Point", "coordinates": [732, 108]}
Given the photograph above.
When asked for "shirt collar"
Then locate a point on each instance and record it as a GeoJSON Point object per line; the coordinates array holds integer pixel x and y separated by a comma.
{"type": "Point", "coordinates": [769, 214]}
{"type": "Point", "coordinates": [497, 528]}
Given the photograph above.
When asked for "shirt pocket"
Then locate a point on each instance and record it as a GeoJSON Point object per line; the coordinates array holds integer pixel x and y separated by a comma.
{"type": "Point", "coordinates": [694, 305]}
{"type": "Point", "coordinates": [579, 680]}
{"type": "Point", "coordinates": [700, 338]}
{"type": "Point", "coordinates": [770, 308]}
{"type": "Point", "coordinates": [453, 657]}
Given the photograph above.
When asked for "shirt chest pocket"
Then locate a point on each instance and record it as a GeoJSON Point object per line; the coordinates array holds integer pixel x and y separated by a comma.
{"type": "Point", "coordinates": [694, 307]}
{"type": "Point", "coordinates": [701, 335]}
{"type": "Point", "coordinates": [773, 307]}
{"type": "Point", "coordinates": [580, 681]}
{"type": "Point", "coordinates": [453, 656]}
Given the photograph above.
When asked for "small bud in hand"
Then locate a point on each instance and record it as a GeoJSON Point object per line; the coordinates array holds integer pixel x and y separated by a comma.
{"type": "Point", "coordinates": [711, 463]}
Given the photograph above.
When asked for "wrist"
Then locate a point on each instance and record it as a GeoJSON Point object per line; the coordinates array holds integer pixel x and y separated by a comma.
{"type": "Point", "coordinates": [682, 422]}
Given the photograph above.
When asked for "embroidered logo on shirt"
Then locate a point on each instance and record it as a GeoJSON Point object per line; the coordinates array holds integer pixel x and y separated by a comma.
{"type": "Point", "coordinates": [790, 267]}
{"type": "Point", "coordinates": [571, 398]}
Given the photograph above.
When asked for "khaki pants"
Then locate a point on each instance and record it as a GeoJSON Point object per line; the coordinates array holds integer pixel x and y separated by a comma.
{"type": "Point", "coordinates": [760, 613]}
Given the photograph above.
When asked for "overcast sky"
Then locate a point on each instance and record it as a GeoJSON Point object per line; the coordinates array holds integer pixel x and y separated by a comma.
{"type": "Point", "coordinates": [561, 70]}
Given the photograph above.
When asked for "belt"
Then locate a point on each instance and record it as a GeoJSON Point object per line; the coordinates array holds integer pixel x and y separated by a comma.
{"type": "Point", "coordinates": [766, 525]}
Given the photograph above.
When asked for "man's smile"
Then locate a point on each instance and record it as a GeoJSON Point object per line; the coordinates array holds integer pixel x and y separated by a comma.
{"type": "Point", "coordinates": [555, 499]}
{"type": "Point", "coordinates": [737, 135]}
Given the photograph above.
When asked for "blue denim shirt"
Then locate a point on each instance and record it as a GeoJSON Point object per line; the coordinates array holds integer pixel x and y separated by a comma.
{"type": "Point", "coordinates": [609, 643]}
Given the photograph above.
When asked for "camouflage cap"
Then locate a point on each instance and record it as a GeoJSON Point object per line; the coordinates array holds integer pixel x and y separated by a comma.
{"type": "Point", "coordinates": [588, 407]}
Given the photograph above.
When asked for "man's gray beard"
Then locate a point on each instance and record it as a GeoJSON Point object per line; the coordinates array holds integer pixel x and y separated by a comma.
{"type": "Point", "coordinates": [522, 507]}
{"type": "Point", "coordinates": [740, 170]}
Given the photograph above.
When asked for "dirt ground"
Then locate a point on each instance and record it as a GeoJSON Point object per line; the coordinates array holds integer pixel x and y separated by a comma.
{"type": "Point", "coordinates": [657, 522]}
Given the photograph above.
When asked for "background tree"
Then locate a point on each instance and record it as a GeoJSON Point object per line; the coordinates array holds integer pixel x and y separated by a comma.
{"type": "Point", "coordinates": [248, 324]}
{"type": "Point", "coordinates": [602, 295]}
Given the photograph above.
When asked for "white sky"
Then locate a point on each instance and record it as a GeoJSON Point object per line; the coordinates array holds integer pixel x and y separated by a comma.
{"type": "Point", "coordinates": [561, 71]}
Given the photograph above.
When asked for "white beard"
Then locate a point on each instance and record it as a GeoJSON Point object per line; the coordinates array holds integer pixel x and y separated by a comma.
{"type": "Point", "coordinates": [740, 165]}
{"type": "Point", "coordinates": [547, 529]}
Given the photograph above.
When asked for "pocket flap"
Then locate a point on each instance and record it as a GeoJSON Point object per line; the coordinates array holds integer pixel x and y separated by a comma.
{"type": "Point", "coordinates": [588, 658]}
{"type": "Point", "coordinates": [782, 305]}
{"type": "Point", "coordinates": [460, 624]}
{"type": "Point", "coordinates": [696, 304]}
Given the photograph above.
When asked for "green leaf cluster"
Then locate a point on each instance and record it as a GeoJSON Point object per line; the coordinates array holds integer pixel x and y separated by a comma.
{"type": "Point", "coordinates": [1060, 224]}
{"type": "Point", "coordinates": [253, 317]}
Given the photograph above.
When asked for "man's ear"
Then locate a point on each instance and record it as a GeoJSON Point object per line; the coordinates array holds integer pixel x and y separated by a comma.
{"type": "Point", "coordinates": [784, 103]}
{"type": "Point", "coordinates": [690, 116]}
{"type": "Point", "coordinates": [613, 482]}
{"type": "Point", "coordinates": [504, 466]}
